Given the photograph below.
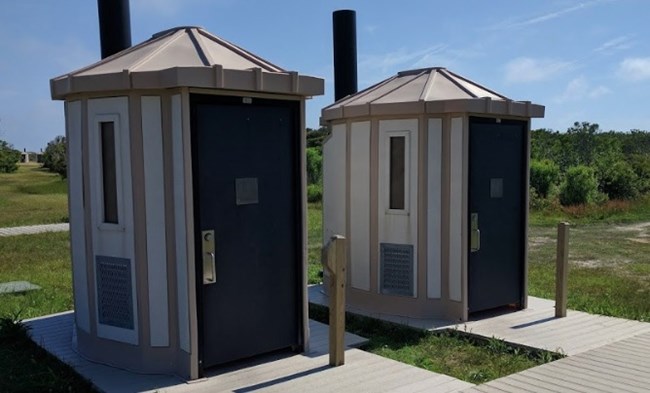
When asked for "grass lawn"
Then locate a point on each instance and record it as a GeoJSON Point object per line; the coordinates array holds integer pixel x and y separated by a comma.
{"type": "Point", "coordinates": [26, 367]}
{"type": "Point", "coordinates": [314, 241]}
{"type": "Point", "coordinates": [448, 352]}
{"type": "Point", "coordinates": [609, 268]}
{"type": "Point", "coordinates": [44, 260]}
{"type": "Point", "coordinates": [32, 196]}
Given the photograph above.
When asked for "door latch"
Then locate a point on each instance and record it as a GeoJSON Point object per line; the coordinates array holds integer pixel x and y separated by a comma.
{"type": "Point", "coordinates": [209, 263]}
{"type": "Point", "coordinates": [474, 234]}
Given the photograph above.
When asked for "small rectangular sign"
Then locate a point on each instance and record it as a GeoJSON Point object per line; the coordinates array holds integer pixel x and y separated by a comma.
{"type": "Point", "coordinates": [496, 188]}
{"type": "Point", "coordinates": [246, 191]}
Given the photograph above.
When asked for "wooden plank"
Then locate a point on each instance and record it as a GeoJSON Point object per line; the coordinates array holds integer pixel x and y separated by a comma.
{"type": "Point", "coordinates": [613, 361]}
{"type": "Point", "coordinates": [593, 383]}
{"type": "Point", "coordinates": [358, 362]}
{"type": "Point", "coordinates": [625, 355]}
{"type": "Point", "coordinates": [617, 373]}
{"type": "Point", "coordinates": [517, 380]}
{"type": "Point", "coordinates": [511, 385]}
{"type": "Point", "coordinates": [452, 385]}
{"type": "Point", "coordinates": [488, 389]}
{"type": "Point", "coordinates": [424, 384]}
{"type": "Point", "coordinates": [556, 383]}
{"type": "Point", "coordinates": [602, 377]}
{"type": "Point", "coordinates": [562, 269]}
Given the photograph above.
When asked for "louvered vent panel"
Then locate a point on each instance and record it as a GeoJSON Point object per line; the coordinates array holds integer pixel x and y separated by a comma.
{"type": "Point", "coordinates": [396, 269]}
{"type": "Point", "coordinates": [114, 292]}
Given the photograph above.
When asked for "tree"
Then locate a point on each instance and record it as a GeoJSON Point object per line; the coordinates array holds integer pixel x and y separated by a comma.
{"type": "Point", "coordinates": [54, 156]}
{"type": "Point", "coordinates": [583, 138]}
{"type": "Point", "coordinates": [579, 186]}
{"type": "Point", "coordinates": [618, 181]}
{"type": "Point", "coordinates": [315, 138]}
{"type": "Point", "coordinates": [314, 166]}
{"type": "Point", "coordinates": [9, 157]}
{"type": "Point", "coordinates": [543, 175]}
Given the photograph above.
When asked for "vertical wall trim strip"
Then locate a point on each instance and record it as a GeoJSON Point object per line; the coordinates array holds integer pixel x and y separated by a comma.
{"type": "Point", "coordinates": [456, 210]}
{"type": "Point", "coordinates": [179, 223]}
{"type": "Point", "coordinates": [76, 213]}
{"type": "Point", "coordinates": [155, 213]}
{"type": "Point", "coordinates": [359, 206]}
{"type": "Point", "coordinates": [434, 211]}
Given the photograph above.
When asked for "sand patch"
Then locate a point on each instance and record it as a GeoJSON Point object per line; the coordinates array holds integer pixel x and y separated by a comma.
{"type": "Point", "coordinates": [643, 240]}
{"type": "Point", "coordinates": [537, 241]}
{"type": "Point", "coordinates": [638, 227]}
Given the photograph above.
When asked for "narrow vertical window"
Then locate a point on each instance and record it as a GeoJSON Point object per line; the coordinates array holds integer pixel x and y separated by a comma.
{"type": "Point", "coordinates": [109, 176]}
{"type": "Point", "coordinates": [397, 162]}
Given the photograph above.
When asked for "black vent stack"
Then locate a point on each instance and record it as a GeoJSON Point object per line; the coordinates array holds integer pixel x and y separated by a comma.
{"type": "Point", "coordinates": [114, 26]}
{"type": "Point", "coordinates": [344, 23]}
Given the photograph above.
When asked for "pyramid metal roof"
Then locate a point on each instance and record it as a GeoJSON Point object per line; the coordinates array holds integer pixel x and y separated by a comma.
{"type": "Point", "coordinates": [185, 56]}
{"type": "Point", "coordinates": [427, 90]}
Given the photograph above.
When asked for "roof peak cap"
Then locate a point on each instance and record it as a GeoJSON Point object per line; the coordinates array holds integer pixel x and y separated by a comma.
{"type": "Point", "coordinates": [417, 71]}
{"type": "Point", "coordinates": [175, 29]}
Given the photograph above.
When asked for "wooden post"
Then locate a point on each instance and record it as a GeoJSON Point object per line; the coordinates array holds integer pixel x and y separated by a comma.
{"type": "Point", "coordinates": [335, 262]}
{"type": "Point", "coordinates": [561, 269]}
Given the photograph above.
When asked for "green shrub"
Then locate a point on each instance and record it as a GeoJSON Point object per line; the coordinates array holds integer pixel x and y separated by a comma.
{"type": "Point", "coordinates": [314, 165]}
{"type": "Point", "coordinates": [54, 156]}
{"type": "Point", "coordinates": [9, 158]}
{"type": "Point", "coordinates": [618, 181]}
{"type": "Point", "coordinates": [640, 164]}
{"type": "Point", "coordinates": [579, 186]}
{"type": "Point", "coordinates": [543, 174]}
{"type": "Point", "coordinates": [314, 193]}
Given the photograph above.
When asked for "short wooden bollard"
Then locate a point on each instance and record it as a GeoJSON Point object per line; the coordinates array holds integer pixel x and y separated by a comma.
{"type": "Point", "coordinates": [335, 261]}
{"type": "Point", "coordinates": [561, 269]}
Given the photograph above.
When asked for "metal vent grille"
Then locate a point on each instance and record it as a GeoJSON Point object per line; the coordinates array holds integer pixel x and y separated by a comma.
{"type": "Point", "coordinates": [114, 291]}
{"type": "Point", "coordinates": [396, 269]}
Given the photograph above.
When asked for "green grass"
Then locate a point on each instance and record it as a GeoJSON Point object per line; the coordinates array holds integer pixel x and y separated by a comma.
{"type": "Point", "coordinates": [25, 367]}
{"type": "Point", "coordinates": [315, 242]}
{"type": "Point", "coordinates": [32, 196]}
{"type": "Point", "coordinates": [448, 352]}
{"type": "Point", "coordinates": [609, 268]}
{"type": "Point", "coordinates": [42, 259]}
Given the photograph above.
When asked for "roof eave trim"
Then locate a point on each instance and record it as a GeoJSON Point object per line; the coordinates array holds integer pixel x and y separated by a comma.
{"type": "Point", "coordinates": [524, 109]}
{"type": "Point", "coordinates": [252, 80]}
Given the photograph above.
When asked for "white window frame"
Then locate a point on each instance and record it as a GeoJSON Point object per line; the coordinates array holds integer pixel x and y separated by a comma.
{"type": "Point", "coordinates": [407, 172]}
{"type": "Point", "coordinates": [99, 181]}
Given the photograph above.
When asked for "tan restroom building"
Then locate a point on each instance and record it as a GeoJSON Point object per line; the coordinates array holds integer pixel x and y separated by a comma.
{"type": "Point", "coordinates": [187, 204]}
{"type": "Point", "coordinates": [426, 174]}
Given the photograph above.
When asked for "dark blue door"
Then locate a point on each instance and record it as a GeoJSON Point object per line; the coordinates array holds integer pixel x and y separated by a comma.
{"type": "Point", "coordinates": [497, 177]}
{"type": "Point", "coordinates": [246, 185]}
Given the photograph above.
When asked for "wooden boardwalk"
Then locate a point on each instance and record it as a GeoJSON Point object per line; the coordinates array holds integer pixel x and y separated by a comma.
{"type": "Point", "coordinates": [537, 327]}
{"type": "Point", "coordinates": [623, 366]}
{"type": "Point", "coordinates": [363, 371]}
{"type": "Point", "coordinates": [534, 327]}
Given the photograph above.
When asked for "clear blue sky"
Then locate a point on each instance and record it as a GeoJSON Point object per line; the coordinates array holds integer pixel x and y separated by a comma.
{"type": "Point", "coordinates": [585, 60]}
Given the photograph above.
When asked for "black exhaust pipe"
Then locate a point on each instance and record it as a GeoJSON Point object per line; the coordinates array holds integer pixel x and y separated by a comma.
{"type": "Point", "coordinates": [114, 26]}
{"type": "Point", "coordinates": [345, 53]}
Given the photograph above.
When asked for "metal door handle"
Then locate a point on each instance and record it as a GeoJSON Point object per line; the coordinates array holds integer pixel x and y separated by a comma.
{"type": "Point", "coordinates": [475, 233]}
{"type": "Point", "coordinates": [475, 240]}
{"type": "Point", "coordinates": [209, 259]}
{"type": "Point", "coordinates": [209, 271]}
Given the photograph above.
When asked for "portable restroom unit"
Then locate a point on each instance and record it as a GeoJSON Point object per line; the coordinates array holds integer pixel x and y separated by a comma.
{"type": "Point", "coordinates": [187, 204]}
{"type": "Point", "coordinates": [426, 174]}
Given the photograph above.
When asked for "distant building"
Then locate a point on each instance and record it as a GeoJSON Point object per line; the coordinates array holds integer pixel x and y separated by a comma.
{"type": "Point", "coordinates": [30, 156]}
